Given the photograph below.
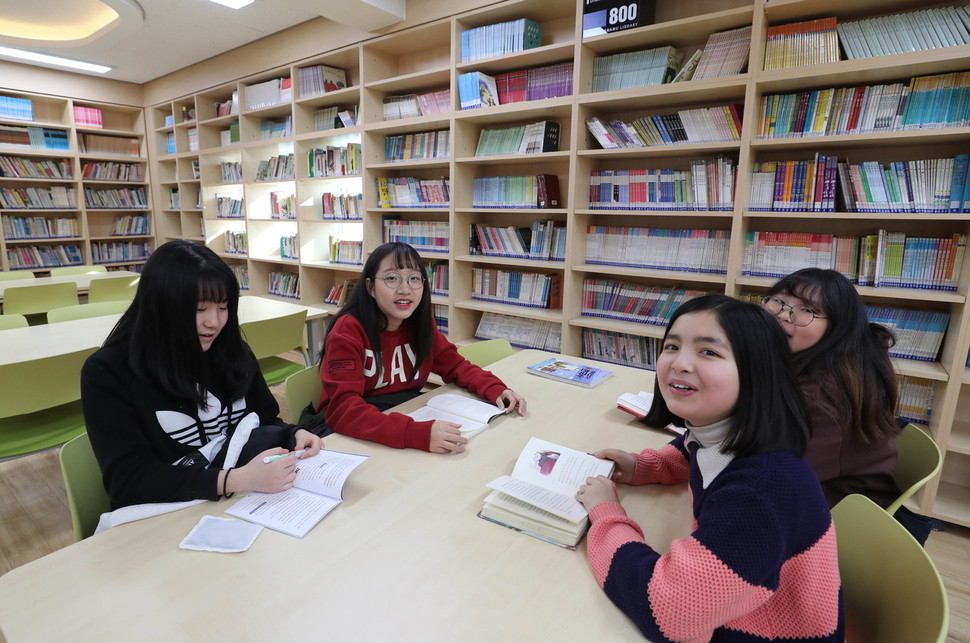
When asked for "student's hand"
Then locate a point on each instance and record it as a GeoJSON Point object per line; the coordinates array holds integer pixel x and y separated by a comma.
{"type": "Point", "coordinates": [626, 466]}
{"type": "Point", "coordinates": [508, 400]}
{"type": "Point", "coordinates": [311, 442]}
{"type": "Point", "coordinates": [596, 491]}
{"type": "Point", "coordinates": [268, 477]}
{"type": "Point", "coordinates": [446, 437]}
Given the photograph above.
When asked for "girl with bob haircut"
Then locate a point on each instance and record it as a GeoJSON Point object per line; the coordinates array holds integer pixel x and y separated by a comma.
{"type": "Point", "coordinates": [761, 562]}
{"type": "Point", "coordinates": [174, 388]}
{"type": "Point", "coordinates": [843, 366]}
{"type": "Point", "coordinates": [381, 348]}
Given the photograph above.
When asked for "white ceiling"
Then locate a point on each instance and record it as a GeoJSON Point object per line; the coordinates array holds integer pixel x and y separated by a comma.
{"type": "Point", "coordinates": [173, 33]}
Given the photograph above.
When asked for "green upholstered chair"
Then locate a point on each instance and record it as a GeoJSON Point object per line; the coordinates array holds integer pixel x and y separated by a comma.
{"type": "Point", "coordinates": [86, 496]}
{"type": "Point", "coordinates": [918, 460]}
{"type": "Point", "coordinates": [12, 321]}
{"type": "Point", "coordinates": [302, 388]}
{"type": "Point", "coordinates": [121, 288]}
{"type": "Point", "coordinates": [77, 270]}
{"type": "Point", "coordinates": [41, 402]}
{"type": "Point", "coordinates": [16, 275]}
{"type": "Point", "coordinates": [893, 591]}
{"type": "Point", "coordinates": [268, 338]}
{"type": "Point", "coordinates": [485, 352]}
{"type": "Point", "coordinates": [35, 300]}
{"type": "Point", "coordinates": [82, 311]}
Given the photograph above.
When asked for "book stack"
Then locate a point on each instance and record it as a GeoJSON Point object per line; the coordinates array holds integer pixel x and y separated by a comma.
{"type": "Point", "coordinates": [905, 32]}
{"type": "Point", "coordinates": [919, 333]}
{"type": "Point", "coordinates": [512, 86]}
{"type": "Point", "coordinates": [192, 134]}
{"type": "Point", "coordinates": [108, 171]}
{"type": "Point", "coordinates": [516, 192]}
{"type": "Point", "coordinates": [725, 54]}
{"type": "Point", "coordinates": [38, 228]}
{"type": "Point", "coordinates": [633, 302]}
{"type": "Point", "coordinates": [231, 171]}
{"type": "Point", "coordinates": [228, 207]}
{"type": "Point", "coordinates": [533, 138]}
{"type": "Point", "coordinates": [812, 42]}
{"type": "Point", "coordinates": [282, 205]}
{"type": "Point", "coordinates": [278, 168]}
{"type": "Point", "coordinates": [437, 272]}
{"type": "Point", "coordinates": [423, 236]}
{"type": "Point", "coordinates": [915, 401]}
{"type": "Point", "coordinates": [88, 117]}
{"type": "Point", "coordinates": [937, 101]}
{"type": "Point", "coordinates": [776, 254]}
{"type": "Point", "coordinates": [826, 112]}
{"type": "Point", "coordinates": [544, 241]}
{"type": "Point", "coordinates": [170, 142]}
{"type": "Point", "coordinates": [115, 199]}
{"type": "Point", "coordinates": [276, 129]}
{"type": "Point", "coordinates": [636, 68]}
{"type": "Point", "coordinates": [794, 186]}
{"type": "Point", "coordinates": [529, 289]}
{"type": "Point", "coordinates": [267, 93]}
{"type": "Point", "coordinates": [289, 247]}
{"type": "Point", "coordinates": [687, 126]}
{"type": "Point", "coordinates": [680, 250]}
{"type": "Point", "coordinates": [334, 161]}
{"type": "Point", "coordinates": [499, 39]}
{"type": "Point", "coordinates": [342, 207]}
{"type": "Point", "coordinates": [119, 252]}
{"type": "Point", "coordinates": [411, 192]}
{"type": "Point", "coordinates": [346, 251]}
{"type": "Point", "coordinates": [242, 276]}
{"type": "Point", "coordinates": [612, 347]}
{"type": "Point", "coordinates": [55, 197]}
{"type": "Point", "coordinates": [339, 293]}
{"type": "Point", "coordinates": [284, 284]}
{"type": "Point", "coordinates": [524, 332]}
{"type": "Point", "coordinates": [550, 81]}
{"type": "Point", "coordinates": [440, 314]}
{"type": "Point", "coordinates": [100, 144]}
{"type": "Point", "coordinates": [20, 167]}
{"type": "Point", "coordinates": [412, 105]}
{"type": "Point", "coordinates": [417, 146]}
{"type": "Point", "coordinates": [16, 109]}
{"type": "Point", "coordinates": [708, 185]}
{"type": "Point", "coordinates": [237, 242]}
{"type": "Point", "coordinates": [319, 79]}
{"type": "Point", "coordinates": [228, 107]}
{"type": "Point", "coordinates": [130, 225]}
{"type": "Point", "coordinates": [477, 89]}
{"type": "Point", "coordinates": [334, 117]}
{"type": "Point", "coordinates": [34, 257]}
{"type": "Point", "coordinates": [535, 83]}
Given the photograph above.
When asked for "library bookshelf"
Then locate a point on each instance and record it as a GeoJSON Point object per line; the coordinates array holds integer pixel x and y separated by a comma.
{"type": "Point", "coordinates": [78, 192]}
{"type": "Point", "coordinates": [428, 58]}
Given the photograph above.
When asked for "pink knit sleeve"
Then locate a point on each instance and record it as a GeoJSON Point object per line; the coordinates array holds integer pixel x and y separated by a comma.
{"type": "Point", "coordinates": [666, 465]}
{"type": "Point", "coordinates": [611, 529]}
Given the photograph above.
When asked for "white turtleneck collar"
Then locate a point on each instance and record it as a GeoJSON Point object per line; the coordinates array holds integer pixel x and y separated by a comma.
{"type": "Point", "coordinates": [711, 461]}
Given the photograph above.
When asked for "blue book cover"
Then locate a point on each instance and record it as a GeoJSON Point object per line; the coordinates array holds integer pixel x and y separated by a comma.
{"type": "Point", "coordinates": [957, 189]}
{"type": "Point", "coordinates": [570, 372]}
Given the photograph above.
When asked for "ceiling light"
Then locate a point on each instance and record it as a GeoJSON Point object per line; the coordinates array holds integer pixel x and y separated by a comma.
{"type": "Point", "coordinates": [233, 4]}
{"type": "Point", "coordinates": [52, 60]}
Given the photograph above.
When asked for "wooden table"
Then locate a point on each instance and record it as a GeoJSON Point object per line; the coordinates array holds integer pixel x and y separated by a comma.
{"type": "Point", "coordinates": [404, 558]}
{"type": "Point", "coordinates": [83, 281]}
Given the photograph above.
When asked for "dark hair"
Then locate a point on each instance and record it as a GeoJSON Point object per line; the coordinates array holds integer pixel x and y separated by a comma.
{"type": "Point", "coordinates": [853, 352]}
{"type": "Point", "coordinates": [770, 412]}
{"type": "Point", "coordinates": [160, 325]}
{"type": "Point", "coordinates": [363, 306]}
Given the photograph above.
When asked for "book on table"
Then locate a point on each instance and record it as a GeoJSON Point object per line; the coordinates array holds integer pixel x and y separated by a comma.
{"type": "Point", "coordinates": [539, 498]}
{"type": "Point", "coordinates": [570, 372]}
{"type": "Point", "coordinates": [473, 415]}
{"type": "Point", "coordinates": [636, 404]}
{"type": "Point", "coordinates": [317, 490]}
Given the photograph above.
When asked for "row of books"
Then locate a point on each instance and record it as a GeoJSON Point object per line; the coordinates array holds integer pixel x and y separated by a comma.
{"type": "Point", "coordinates": [437, 272]}
{"type": "Point", "coordinates": [192, 135]}
{"type": "Point", "coordinates": [103, 144]}
{"type": "Point", "coordinates": [36, 138]}
{"type": "Point", "coordinates": [13, 108]}
{"type": "Point", "coordinates": [795, 186]}
{"type": "Point", "coordinates": [170, 143]}
{"type": "Point", "coordinates": [39, 227]}
{"type": "Point", "coordinates": [346, 251]}
{"type": "Point", "coordinates": [88, 117]}
{"type": "Point", "coordinates": [682, 250]}
{"type": "Point", "coordinates": [119, 251]}
{"type": "Point", "coordinates": [919, 333]}
{"type": "Point", "coordinates": [514, 192]}
{"type": "Point", "coordinates": [620, 348]}
{"type": "Point", "coordinates": [335, 117]}
{"type": "Point", "coordinates": [20, 167]}
{"type": "Point", "coordinates": [110, 171]}
{"type": "Point", "coordinates": [115, 199]}
{"type": "Point", "coordinates": [339, 292]}
{"type": "Point", "coordinates": [411, 192]}
{"type": "Point", "coordinates": [268, 93]}
{"type": "Point", "coordinates": [228, 207]}
{"type": "Point", "coordinates": [271, 129]}
{"type": "Point", "coordinates": [499, 39]}
{"type": "Point", "coordinates": [724, 54]}
{"type": "Point", "coordinates": [222, 108]}
{"type": "Point", "coordinates": [284, 284]}
{"type": "Point", "coordinates": [477, 89]}
{"type": "Point", "coordinates": [707, 186]}
{"type": "Point", "coordinates": [277, 168]}
{"type": "Point", "coordinates": [810, 42]}
{"type": "Point", "coordinates": [937, 101]}
{"type": "Point", "coordinates": [542, 136]}
{"type": "Point", "coordinates": [242, 276]}
{"type": "Point", "coordinates": [417, 146]}
{"type": "Point", "coordinates": [423, 236]}
{"type": "Point", "coordinates": [524, 332]}
{"type": "Point", "coordinates": [282, 205]}
{"type": "Point", "coordinates": [698, 125]}
{"type": "Point", "coordinates": [633, 302]}
{"type": "Point", "coordinates": [131, 225]}
{"type": "Point", "coordinates": [236, 242]}
{"type": "Point", "coordinates": [23, 257]}
{"type": "Point", "coordinates": [529, 289]}
{"type": "Point", "coordinates": [320, 79]}
{"type": "Point", "coordinates": [231, 171]}
{"type": "Point", "coordinates": [542, 241]}
{"type": "Point", "coordinates": [439, 312]}
{"type": "Point", "coordinates": [54, 197]}
{"type": "Point", "coordinates": [342, 207]}
{"type": "Point", "coordinates": [174, 199]}
{"type": "Point", "coordinates": [334, 161]}
{"type": "Point", "coordinates": [289, 247]}
{"type": "Point", "coordinates": [437, 101]}
{"type": "Point", "coordinates": [901, 33]}
{"type": "Point", "coordinates": [915, 399]}
{"type": "Point", "coordinates": [636, 68]}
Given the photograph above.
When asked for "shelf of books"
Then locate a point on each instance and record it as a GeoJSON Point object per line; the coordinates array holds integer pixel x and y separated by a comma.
{"type": "Point", "coordinates": [571, 175]}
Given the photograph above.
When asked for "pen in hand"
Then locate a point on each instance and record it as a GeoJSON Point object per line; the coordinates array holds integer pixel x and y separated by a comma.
{"type": "Point", "coordinates": [273, 458]}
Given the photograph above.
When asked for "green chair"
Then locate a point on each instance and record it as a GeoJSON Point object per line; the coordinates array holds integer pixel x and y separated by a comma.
{"type": "Point", "coordinates": [893, 591]}
{"type": "Point", "coordinates": [12, 321]}
{"type": "Point", "coordinates": [485, 352]}
{"type": "Point", "coordinates": [83, 311]}
{"type": "Point", "coordinates": [34, 301]}
{"type": "Point", "coordinates": [918, 459]}
{"type": "Point", "coordinates": [85, 490]}
{"type": "Point", "coordinates": [16, 275]}
{"type": "Point", "coordinates": [113, 288]}
{"type": "Point", "coordinates": [303, 388]}
{"type": "Point", "coordinates": [77, 270]}
{"type": "Point", "coordinates": [41, 402]}
{"type": "Point", "coordinates": [269, 338]}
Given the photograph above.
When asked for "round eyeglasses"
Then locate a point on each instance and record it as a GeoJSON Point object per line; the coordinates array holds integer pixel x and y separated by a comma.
{"type": "Point", "coordinates": [798, 315]}
{"type": "Point", "coordinates": [393, 280]}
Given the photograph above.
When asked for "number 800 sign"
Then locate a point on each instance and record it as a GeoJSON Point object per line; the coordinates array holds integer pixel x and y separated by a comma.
{"type": "Point", "coordinates": [605, 16]}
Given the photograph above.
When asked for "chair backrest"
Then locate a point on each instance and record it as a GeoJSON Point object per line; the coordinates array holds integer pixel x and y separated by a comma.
{"type": "Point", "coordinates": [301, 389]}
{"type": "Point", "coordinates": [16, 275]}
{"type": "Point", "coordinates": [268, 337]}
{"type": "Point", "coordinates": [82, 311]}
{"type": "Point", "coordinates": [918, 459]}
{"type": "Point", "coordinates": [39, 384]}
{"type": "Point", "coordinates": [485, 352]}
{"type": "Point", "coordinates": [76, 270]}
{"type": "Point", "coordinates": [39, 298]}
{"type": "Point", "coordinates": [893, 591]}
{"type": "Point", "coordinates": [12, 321]}
{"type": "Point", "coordinates": [85, 490]}
{"type": "Point", "coordinates": [121, 288]}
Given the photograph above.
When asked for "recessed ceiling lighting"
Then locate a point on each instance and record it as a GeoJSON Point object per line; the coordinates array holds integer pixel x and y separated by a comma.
{"type": "Point", "coordinates": [233, 4]}
{"type": "Point", "coordinates": [52, 60]}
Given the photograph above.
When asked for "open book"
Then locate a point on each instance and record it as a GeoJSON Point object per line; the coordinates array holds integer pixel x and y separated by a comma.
{"type": "Point", "coordinates": [473, 415]}
{"type": "Point", "coordinates": [318, 488]}
{"type": "Point", "coordinates": [539, 498]}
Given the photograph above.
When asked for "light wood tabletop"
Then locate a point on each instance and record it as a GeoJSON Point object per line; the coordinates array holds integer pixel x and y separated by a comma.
{"type": "Point", "coordinates": [403, 558]}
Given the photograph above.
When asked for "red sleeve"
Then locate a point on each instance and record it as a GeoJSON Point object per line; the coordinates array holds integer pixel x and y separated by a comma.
{"type": "Point", "coordinates": [667, 465]}
{"type": "Point", "coordinates": [452, 367]}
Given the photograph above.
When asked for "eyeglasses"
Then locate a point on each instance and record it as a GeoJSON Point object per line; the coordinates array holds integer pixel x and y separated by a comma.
{"type": "Point", "coordinates": [393, 280]}
{"type": "Point", "coordinates": [798, 315]}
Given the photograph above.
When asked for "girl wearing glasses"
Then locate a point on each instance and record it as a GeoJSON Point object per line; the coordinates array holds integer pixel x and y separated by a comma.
{"type": "Point", "coordinates": [842, 363]}
{"type": "Point", "coordinates": [381, 348]}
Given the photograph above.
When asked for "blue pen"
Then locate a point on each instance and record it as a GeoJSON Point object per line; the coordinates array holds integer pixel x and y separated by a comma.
{"type": "Point", "coordinates": [271, 458]}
